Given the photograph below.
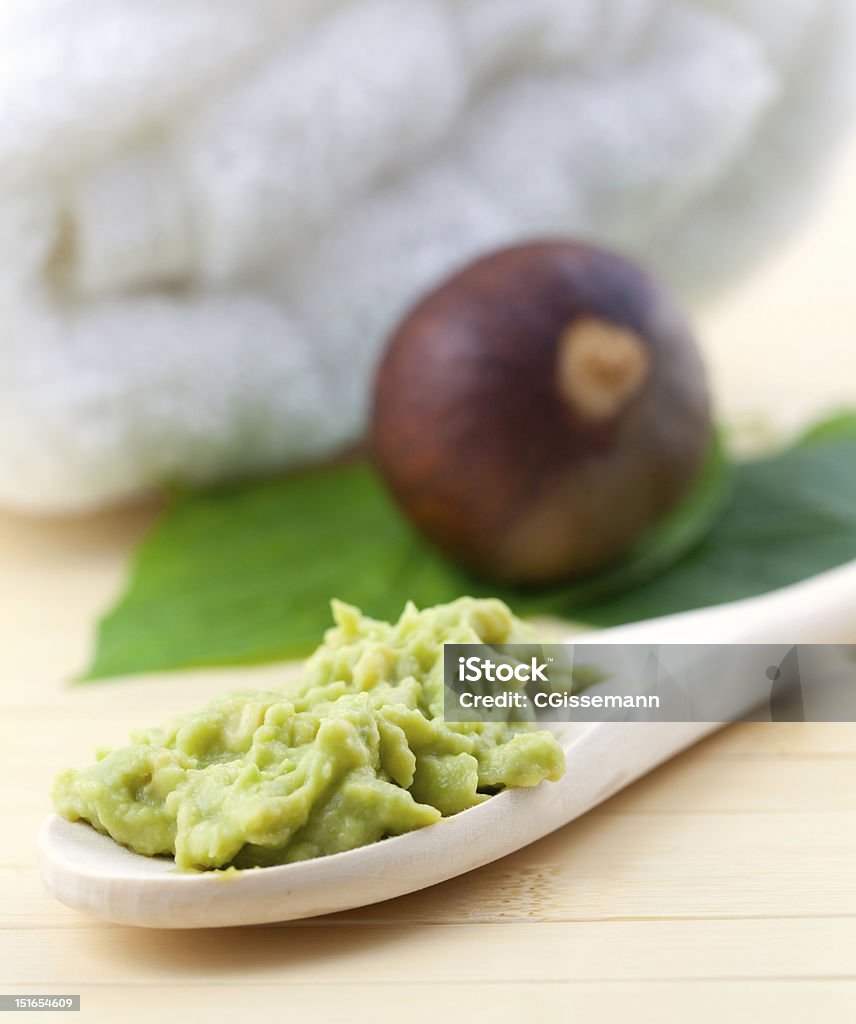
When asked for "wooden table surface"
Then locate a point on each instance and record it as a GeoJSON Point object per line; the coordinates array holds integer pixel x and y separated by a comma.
{"type": "Point", "coordinates": [723, 886]}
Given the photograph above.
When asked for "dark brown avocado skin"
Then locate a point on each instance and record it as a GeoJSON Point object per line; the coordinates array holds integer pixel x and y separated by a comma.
{"type": "Point", "coordinates": [541, 410]}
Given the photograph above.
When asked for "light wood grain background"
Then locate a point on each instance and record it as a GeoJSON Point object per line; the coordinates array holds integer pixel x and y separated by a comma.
{"type": "Point", "coordinates": [722, 887]}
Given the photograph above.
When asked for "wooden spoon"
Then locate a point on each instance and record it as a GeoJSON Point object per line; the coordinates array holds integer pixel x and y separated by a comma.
{"type": "Point", "coordinates": [91, 872]}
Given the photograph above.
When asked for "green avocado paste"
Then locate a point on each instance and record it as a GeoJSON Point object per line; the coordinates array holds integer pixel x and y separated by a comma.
{"type": "Point", "coordinates": [354, 752]}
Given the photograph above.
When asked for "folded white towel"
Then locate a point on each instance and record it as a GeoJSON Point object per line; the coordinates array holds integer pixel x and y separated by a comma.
{"type": "Point", "coordinates": [212, 211]}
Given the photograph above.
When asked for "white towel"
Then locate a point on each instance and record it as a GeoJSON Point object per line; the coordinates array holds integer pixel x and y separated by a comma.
{"type": "Point", "coordinates": [213, 211]}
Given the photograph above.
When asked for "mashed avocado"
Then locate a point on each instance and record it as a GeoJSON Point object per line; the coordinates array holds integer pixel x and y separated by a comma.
{"type": "Point", "coordinates": [353, 753]}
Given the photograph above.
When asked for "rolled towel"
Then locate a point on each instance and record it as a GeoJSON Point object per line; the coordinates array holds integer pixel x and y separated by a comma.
{"type": "Point", "coordinates": [213, 211]}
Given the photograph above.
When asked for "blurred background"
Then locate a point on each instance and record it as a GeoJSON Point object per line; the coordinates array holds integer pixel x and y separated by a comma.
{"type": "Point", "coordinates": [780, 343]}
{"type": "Point", "coordinates": [780, 350]}
{"type": "Point", "coordinates": [213, 217]}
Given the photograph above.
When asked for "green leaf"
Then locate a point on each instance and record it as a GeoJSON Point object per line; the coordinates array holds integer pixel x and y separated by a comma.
{"type": "Point", "coordinates": [840, 425]}
{"type": "Point", "coordinates": [244, 574]}
{"type": "Point", "coordinates": [793, 516]}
